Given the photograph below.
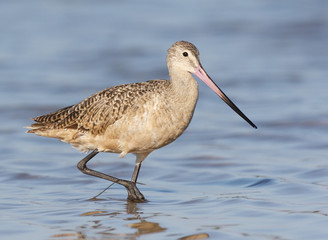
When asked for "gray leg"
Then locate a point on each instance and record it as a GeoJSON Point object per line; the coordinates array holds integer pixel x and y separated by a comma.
{"type": "Point", "coordinates": [133, 192]}
{"type": "Point", "coordinates": [139, 159]}
{"type": "Point", "coordinates": [136, 172]}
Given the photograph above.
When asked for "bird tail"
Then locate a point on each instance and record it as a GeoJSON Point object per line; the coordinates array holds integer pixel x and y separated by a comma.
{"type": "Point", "coordinates": [47, 121]}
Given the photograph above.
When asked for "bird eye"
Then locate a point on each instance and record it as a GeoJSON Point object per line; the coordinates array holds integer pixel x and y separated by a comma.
{"type": "Point", "coordinates": [185, 54]}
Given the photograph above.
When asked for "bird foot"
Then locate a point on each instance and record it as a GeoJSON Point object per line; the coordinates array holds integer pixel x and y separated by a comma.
{"type": "Point", "coordinates": [133, 192]}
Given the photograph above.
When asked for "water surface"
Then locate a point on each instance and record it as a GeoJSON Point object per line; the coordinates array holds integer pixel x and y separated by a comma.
{"type": "Point", "coordinates": [221, 179]}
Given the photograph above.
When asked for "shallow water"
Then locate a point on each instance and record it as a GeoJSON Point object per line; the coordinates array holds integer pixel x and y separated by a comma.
{"type": "Point", "coordinates": [221, 179]}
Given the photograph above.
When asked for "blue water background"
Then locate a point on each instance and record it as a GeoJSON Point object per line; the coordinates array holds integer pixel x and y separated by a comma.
{"type": "Point", "coordinates": [221, 179]}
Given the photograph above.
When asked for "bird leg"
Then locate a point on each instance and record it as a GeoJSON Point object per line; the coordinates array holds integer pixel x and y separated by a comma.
{"type": "Point", "coordinates": [133, 192]}
{"type": "Point", "coordinates": [136, 172]}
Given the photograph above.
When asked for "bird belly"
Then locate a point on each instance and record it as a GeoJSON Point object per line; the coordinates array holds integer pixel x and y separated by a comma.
{"type": "Point", "coordinates": [150, 127]}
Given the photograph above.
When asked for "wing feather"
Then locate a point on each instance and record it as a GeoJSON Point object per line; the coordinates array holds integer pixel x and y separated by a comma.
{"type": "Point", "coordinates": [97, 112]}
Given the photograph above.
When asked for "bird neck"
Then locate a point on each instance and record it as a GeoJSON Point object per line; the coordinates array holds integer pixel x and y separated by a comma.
{"type": "Point", "coordinates": [184, 86]}
{"type": "Point", "coordinates": [183, 95]}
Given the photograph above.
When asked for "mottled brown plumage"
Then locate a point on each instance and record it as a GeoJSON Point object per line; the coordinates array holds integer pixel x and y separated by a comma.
{"type": "Point", "coordinates": [133, 118]}
{"type": "Point", "coordinates": [97, 112]}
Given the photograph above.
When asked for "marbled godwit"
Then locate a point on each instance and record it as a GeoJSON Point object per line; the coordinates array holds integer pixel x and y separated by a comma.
{"type": "Point", "coordinates": [133, 118]}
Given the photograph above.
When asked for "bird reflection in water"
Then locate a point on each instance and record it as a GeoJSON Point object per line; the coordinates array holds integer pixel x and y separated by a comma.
{"type": "Point", "coordinates": [141, 225]}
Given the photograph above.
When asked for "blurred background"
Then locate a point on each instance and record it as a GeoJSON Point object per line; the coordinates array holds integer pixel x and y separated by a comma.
{"type": "Point", "coordinates": [221, 179]}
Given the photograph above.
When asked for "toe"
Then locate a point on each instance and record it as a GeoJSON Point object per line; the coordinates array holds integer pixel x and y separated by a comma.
{"type": "Point", "coordinates": [133, 192]}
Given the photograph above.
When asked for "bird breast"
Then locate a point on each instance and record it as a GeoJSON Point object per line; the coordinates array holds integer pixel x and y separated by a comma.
{"type": "Point", "coordinates": [155, 120]}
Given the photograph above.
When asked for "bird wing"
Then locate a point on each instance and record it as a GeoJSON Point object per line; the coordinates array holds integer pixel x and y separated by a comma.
{"type": "Point", "coordinates": [97, 112]}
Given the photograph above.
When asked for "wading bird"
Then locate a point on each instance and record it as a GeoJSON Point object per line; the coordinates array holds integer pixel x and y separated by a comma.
{"type": "Point", "coordinates": [133, 118]}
